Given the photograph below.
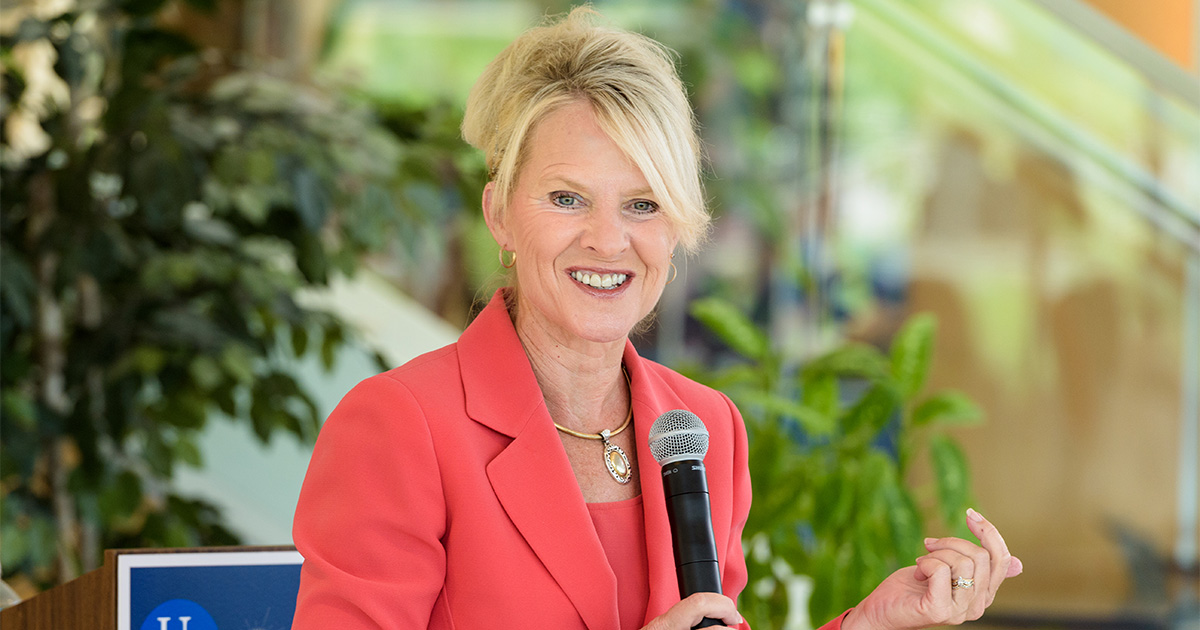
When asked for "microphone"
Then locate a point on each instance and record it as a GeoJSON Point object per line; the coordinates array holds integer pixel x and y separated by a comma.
{"type": "Point", "coordinates": [679, 442]}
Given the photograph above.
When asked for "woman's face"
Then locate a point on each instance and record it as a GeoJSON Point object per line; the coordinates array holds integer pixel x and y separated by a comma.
{"type": "Point", "coordinates": [593, 247]}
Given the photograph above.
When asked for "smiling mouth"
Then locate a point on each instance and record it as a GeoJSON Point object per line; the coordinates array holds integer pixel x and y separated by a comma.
{"type": "Point", "coordinates": [604, 282]}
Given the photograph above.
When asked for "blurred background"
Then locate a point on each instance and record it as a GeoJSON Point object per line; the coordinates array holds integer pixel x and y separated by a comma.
{"type": "Point", "coordinates": [219, 215]}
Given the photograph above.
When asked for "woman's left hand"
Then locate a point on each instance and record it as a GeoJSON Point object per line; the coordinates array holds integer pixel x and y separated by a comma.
{"type": "Point", "coordinates": [926, 595]}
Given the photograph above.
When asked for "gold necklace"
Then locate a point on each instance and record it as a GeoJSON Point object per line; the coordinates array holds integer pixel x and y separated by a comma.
{"type": "Point", "coordinates": [614, 456]}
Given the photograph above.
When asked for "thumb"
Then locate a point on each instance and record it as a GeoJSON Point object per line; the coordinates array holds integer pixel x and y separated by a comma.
{"type": "Point", "coordinates": [926, 567]}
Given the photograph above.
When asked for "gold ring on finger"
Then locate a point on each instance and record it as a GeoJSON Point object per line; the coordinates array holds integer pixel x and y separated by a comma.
{"type": "Point", "coordinates": [961, 582]}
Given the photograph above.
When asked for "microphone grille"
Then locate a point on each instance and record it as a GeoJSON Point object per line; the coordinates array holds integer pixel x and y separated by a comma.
{"type": "Point", "coordinates": [678, 435]}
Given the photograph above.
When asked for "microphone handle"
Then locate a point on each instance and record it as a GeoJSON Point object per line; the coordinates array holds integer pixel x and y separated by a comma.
{"type": "Point", "coordinates": [690, 515]}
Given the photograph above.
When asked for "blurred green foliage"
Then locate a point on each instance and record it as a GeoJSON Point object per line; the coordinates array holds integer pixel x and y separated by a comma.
{"type": "Point", "coordinates": [832, 449]}
{"type": "Point", "coordinates": [161, 212]}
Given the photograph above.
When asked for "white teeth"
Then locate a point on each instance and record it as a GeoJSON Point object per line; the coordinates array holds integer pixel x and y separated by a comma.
{"type": "Point", "coordinates": [606, 281]}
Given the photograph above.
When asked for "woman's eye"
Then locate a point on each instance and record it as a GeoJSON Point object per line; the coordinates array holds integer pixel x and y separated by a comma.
{"type": "Point", "coordinates": [641, 206]}
{"type": "Point", "coordinates": [565, 200]}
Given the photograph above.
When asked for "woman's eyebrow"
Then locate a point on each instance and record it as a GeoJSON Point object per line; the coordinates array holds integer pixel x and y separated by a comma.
{"type": "Point", "coordinates": [567, 182]}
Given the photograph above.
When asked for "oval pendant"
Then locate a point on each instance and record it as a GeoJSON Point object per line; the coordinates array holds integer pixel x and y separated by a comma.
{"type": "Point", "coordinates": [618, 463]}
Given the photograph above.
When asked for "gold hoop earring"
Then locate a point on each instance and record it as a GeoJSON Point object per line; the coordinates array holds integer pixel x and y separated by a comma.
{"type": "Point", "coordinates": [512, 261]}
{"type": "Point", "coordinates": [674, 274]}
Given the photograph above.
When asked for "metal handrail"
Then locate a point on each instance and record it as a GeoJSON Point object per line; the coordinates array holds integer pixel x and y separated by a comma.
{"type": "Point", "coordinates": [1147, 61]}
{"type": "Point", "coordinates": [1171, 214]}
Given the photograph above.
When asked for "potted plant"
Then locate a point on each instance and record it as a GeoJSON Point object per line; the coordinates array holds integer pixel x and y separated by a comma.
{"type": "Point", "coordinates": [832, 448]}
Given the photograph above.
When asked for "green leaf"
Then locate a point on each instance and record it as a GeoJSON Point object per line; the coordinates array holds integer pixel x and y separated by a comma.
{"type": "Point", "coordinates": [912, 350]}
{"type": "Point", "coordinates": [186, 409]}
{"type": "Point", "coordinates": [814, 422]}
{"type": "Point", "coordinates": [734, 376]}
{"type": "Point", "coordinates": [329, 344]}
{"type": "Point", "coordinates": [16, 545]}
{"type": "Point", "coordinates": [820, 393]}
{"type": "Point", "coordinates": [253, 204]}
{"type": "Point", "coordinates": [299, 340]}
{"type": "Point", "coordinates": [19, 407]}
{"type": "Point", "coordinates": [238, 363]}
{"type": "Point", "coordinates": [312, 258]}
{"type": "Point", "coordinates": [370, 222]}
{"type": "Point", "coordinates": [731, 326]}
{"type": "Point", "coordinates": [871, 412]}
{"type": "Point", "coordinates": [156, 453]}
{"type": "Point", "coordinates": [120, 498]}
{"type": "Point", "coordinates": [187, 451]}
{"type": "Point", "coordinates": [17, 287]}
{"type": "Point", "coordinates": [179, 534]}
{"type": "Point", "coordinates": [224, 399]}
{"type": "Point", "coordinates": [947, 407]}
{"type": "Point", "coordinates": [904, 520]}
{"type": "Point", "coordinates": [211, 231]}
{"type": "Point", "coordinates": [261, 167]}
{"type": "Point", "coordinates": [148, 359]}
{"type": "Point", "coordinates": [205, 372]}
{"type": "Point", "coordinates": [43, 542]}
{"type": "Point", "coordinates": [953, 478]}
{"type": "Point", "coordinates": [855, 359]}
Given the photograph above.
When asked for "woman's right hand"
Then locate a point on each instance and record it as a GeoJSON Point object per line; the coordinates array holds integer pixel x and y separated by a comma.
{"type": "Point", "coordinates": [693, 609]}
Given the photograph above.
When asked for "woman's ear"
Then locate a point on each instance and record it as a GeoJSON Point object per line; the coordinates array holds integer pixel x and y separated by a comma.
{"type": "Point", "coordinates": [493, 217]}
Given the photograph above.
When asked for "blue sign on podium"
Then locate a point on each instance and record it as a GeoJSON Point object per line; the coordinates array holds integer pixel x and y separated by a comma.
{"type": "Point", "coordinates": [208, 590]}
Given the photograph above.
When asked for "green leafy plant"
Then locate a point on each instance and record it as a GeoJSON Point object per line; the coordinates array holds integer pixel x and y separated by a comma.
{"type": "Point", "coordinates": [160, 214]}
{"type": "Point", "coordinates": [832, 446]}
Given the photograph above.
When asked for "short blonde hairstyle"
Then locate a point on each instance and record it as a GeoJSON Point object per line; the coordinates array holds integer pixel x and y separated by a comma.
{"type": "Point", "coordinates": [631, 84]}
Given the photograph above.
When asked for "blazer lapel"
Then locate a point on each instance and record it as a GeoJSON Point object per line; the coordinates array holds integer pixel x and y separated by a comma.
{"type": "Point", "coordinates": [650, 400]}
{"type": "Point", "coordinates": [532, 477]}
{"type": "Point", "coordinates": [533, 480]}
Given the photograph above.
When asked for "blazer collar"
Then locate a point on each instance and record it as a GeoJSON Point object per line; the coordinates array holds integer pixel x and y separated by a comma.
{"type": "Point", "coordinates": [532, 477]}
{"type": "Point", "coordinates": [501, 390]}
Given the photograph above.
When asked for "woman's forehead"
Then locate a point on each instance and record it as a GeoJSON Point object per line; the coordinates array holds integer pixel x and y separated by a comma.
{"type": "Point", "coordinates": [570, 146]}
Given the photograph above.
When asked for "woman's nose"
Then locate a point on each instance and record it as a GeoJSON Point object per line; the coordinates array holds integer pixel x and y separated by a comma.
{"type": "Point", "coordinates": [605, 232]}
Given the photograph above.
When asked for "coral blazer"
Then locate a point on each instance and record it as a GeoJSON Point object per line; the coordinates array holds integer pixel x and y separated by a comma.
{"type": "Point", "coordinates": [439, 496]}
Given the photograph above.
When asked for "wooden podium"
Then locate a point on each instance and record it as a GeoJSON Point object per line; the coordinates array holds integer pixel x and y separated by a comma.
{"type": "Point", "coordinates": [170, 589]}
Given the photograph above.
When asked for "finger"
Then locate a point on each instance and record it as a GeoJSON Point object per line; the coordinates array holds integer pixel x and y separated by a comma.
{"type": "Point", "coordinates": [937, 576]}
{"type": "Point", "coordinates": [980, 568]}
{"type": "Point", "coordinates": [969, 601]}
{"type": "Point", "coordinates": [993, 542]}
{"type": "Point", "coordinates": [1015, 568]}
{"type": "Point", "coordinates": [981, 558]}
{"type": "Point", "coordinates": [712, 605]}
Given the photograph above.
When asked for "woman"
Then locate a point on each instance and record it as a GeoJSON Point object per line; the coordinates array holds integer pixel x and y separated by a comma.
{"type": "Point", "coordinates": [505, 479]}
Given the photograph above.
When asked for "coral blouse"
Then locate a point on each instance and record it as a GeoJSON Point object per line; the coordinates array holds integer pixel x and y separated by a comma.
{"type": "Point", "coordinates": [621, 527]}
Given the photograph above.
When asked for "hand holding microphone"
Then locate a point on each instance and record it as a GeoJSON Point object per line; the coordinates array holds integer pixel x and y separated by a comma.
{"type": "Point", "coordinates": [679, 442]}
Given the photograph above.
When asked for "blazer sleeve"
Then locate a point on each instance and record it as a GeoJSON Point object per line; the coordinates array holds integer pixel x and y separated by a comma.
{"type": "Point", "coordinates": [734, 579]}
{"type": "Point", "coordinates": [836, 622]}
{"type": "Point", "coordinates": [371, 516]}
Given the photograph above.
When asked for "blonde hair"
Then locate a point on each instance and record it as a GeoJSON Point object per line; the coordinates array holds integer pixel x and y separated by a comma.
{"type": "Point", "coordinates": [631, 84]}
